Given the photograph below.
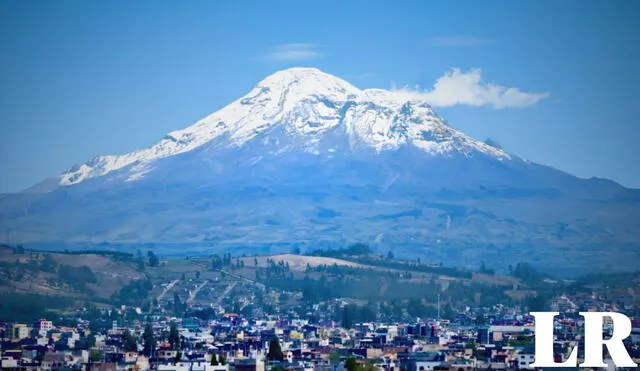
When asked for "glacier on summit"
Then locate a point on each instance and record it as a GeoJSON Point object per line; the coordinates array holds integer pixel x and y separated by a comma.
{"type": "Point", "coordinates": [307, 103]}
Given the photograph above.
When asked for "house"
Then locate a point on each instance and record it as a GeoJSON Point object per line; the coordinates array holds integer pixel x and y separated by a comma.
{"type": "Point", "coordinates": [19, 331]}
{"type": "Point", "coordinates": [192, 366]}
{"type": "Point", "coordinates": [44, 326]}
{"type": "Point", "coordinates": [525, 359]}
{"type": "Point", "coordinates": [103, 366]}
{"type": "Point", "coordinates": [420, 361]}
{"type": "Point", "coordinates": [249, 365]}
{"type": "Point", "coordinates": [8, 363]}
{"type": "Point", "coordinates": [53, 362]}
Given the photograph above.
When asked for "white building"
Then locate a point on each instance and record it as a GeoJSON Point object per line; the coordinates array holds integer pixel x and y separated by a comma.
{"type": "Point", "coordinates": [525, 360]}
{"type": "Point", "coordinates": [193, 366]}
{"type": "Point", "coordinates": [45, 326]}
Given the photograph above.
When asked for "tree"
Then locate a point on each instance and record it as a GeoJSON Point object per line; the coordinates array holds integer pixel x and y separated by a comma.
{"type": "Point", "coordinates": [216, 263]}
{"type": "Point", "coordinates": [537, 303]}
{"type": "Point", "coordinates": [140, 261]}
{"type": "Point", "coordinates": [19, 249]}
{"type": "Point", "coordinates": [481, 320]}
{"type": "Point", "coordinates": [334, 358]}
{"type": "Point", "coordinates": [527, 273]}
{"type": "Point", "coordinates": [90, 341]}
{"type": "Point", "coordinates": [148, 340]}
{"type": "Point", "coordinates": [347, 317]}
{"type": "Point", "coordinates": [95, 355]}
{"type": "Point", "coordinates": [178, 306]}
{"type": "Point", "coordinates": [174, 336]}
{"type": "Point", "coordinates": [390, 255]}
{"type": "Point", "coordinates": [197, 275]}
{"type": "Point", "coordinates": [128, 341]}
{"type": "Point", "coordinates": [153, 259]}
{"type": "Point", "coordinates": [48, 264]}
{"type": "Point", "coordinates": [351, 364]}
{"type": "Point", "coordinates": [448, 313]}
{"type": "Point", "coordinates": [275, 352]}
{"type": "Point", "coordinates": [485, 270]}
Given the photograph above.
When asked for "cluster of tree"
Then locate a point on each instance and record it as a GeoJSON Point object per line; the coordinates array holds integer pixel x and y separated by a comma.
{"type": "Point", "coordinates": [153, 259]}
{"type": "Point", "coordinates": [218, 360]}
{"type": "Point", "coordinates": [177, 306]}
{"type": "Point", "coordinates": [76, 277]}
{"type": "Point", "coordinates": [239, 263]}
{"type": "Point", "coordinates": [275, 351]}
{"type": "Point", "coordinates": [613, 280]}
{"type": "Point", "coordinates": [20, 270]}
{"type": "Point", "coordinates": [352, 314]}
{"type": "Point", "coordinates": [527, 274]}
{"type": "Point", "coordinates": [367, 286]}
{"type": "Point", "coordinates": [148, 341]}
{"type": "Point", "coordinates": [173, 337]}
{"type": "Point", "coordinates": [395, 296]}
{"type": "Point", "coordinates": [352, 365]}
{"type": "Point", "coordinates": [115, 255]}
{"type": "Point", "coordinates": [134, 292]}
{"type": "Point", "coordinates": [128, 342]}
{"type": "Point", "coordinates": [18, 249]}
{"type": "Point", "coordinates": [357, 249]}
{"type": "Point", "coordinates": [204, 314]}
{"type": "Point", "coordinates": [218, 262]}
{"type": "Point", "coordinates": [485, 270]}
{"type": "Point", "coordinates": [335, 269]}
{"type": "Point", "coordinates": [538, 303]}
{"type": "Point", "coordinates": [14, 271]}
{"type": "Point", "coordinates": [30, 307]}
{"type": "Point", "coordinates": [414, 266]}
{"type": "Point", "coordinates": [277, 270]}
{"type": "Point", "coordinates": [362, 253]}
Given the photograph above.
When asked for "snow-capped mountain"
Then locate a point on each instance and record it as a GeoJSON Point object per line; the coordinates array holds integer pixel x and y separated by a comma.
{"type": "Point", "coordinates": [307, 159]}
{"type": "Point", "coordinates": [307, 104]}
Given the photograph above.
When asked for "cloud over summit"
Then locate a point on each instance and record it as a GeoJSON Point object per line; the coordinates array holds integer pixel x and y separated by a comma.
{"type": "Point", "coordinates": [457, 87]}
{"type": "Point", "coordinates": [293, 52]}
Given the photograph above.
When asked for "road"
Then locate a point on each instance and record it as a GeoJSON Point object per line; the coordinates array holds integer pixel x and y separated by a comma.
{"type": "Point", "coordinates": [192, 295]}
{"type": "Point", "coordinates": [166, 289]}
{"type": "Point", "coordinates": [226, 292]}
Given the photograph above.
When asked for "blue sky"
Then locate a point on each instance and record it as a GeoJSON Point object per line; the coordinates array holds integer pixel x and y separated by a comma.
{"type": "Point", "coordinates": [80, 78]}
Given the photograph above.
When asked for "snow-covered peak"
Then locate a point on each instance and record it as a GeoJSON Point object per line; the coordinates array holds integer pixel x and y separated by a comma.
{"type": "Point", "coordinates": [307, 81]}
{"type": "Point", "coordinates": [307, 103]}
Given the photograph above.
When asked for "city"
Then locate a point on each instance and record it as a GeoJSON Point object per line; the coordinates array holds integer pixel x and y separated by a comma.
{"type": "Point", "coordinates": [229, 316]}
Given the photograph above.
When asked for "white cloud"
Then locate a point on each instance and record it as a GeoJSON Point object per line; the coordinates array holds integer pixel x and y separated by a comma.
{"type": "Point", "coordinates": [293, 52]}
{"type": "Point", "coordinates": [466, 88]}
{"type": "Point", "coordinates": [459, 41]}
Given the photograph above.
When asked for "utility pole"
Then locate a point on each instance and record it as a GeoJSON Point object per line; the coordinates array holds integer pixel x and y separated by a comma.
{"type": "Point", "coordinates": [438, 307]}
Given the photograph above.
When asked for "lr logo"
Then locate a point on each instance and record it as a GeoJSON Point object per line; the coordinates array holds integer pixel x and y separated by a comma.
{"type": "Point", "coordinates": [592, 341]}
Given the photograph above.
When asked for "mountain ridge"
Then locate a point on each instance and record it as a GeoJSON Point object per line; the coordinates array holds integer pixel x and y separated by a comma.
{"type": "Point", "coordinates": [332, 165]}
{"type": "Point", "coordinates": [311, 103]}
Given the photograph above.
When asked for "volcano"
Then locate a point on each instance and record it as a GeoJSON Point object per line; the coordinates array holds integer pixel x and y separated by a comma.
{"type": "Point", "coordinates": [307, 159]}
